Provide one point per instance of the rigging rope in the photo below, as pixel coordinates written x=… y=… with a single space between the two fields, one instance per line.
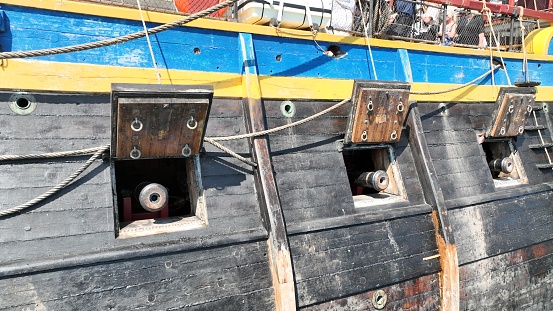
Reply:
x=489 y=15
x=59 y=186
x=149 y=43
x=279 y=128
x=112 y=41
x=51 y=154
x=367 y=40
x=457 y=87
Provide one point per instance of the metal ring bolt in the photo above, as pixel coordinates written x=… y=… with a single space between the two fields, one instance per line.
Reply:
x=393 y=136
x=364 y=136
x=192 y=123
x=521 y=129
x=136 y=125
x=502 y=131
x=529 y=109
x=186 y=151
x=511 y=109
x=400 y=107
x=370 y=105
x=135 y=153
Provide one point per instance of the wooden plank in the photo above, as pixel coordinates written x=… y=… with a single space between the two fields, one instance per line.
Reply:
x=419 y=294
x=198 y=278
x=449 y=277
x=518 y=280
x=355 y=259
x=271 y=211
x=306 y=144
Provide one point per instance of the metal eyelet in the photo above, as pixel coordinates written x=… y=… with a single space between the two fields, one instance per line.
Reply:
x=521 y=129
x=393 y=136
x=135 y=153
x=502 y=131
x=529 y=109
x=186 y=151
x=364 y=136
x=400 y=107
x=136 y=125
x=192 y=123
x=370 y=105
x=511 y=109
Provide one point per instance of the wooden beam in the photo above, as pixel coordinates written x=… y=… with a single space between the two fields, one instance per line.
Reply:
x=271 y=211
x=449 y=275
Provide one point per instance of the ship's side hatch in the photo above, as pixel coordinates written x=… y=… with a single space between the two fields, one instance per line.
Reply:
x=513 y=107
x=375 y=124
x=157 y=134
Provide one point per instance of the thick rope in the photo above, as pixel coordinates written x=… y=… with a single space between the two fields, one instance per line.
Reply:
x=213 y=140
x=51 y=155
x=125 y=38
x=458 y=87
x=232 y=153
x=279 y=128
x=489 y=15
x=149 y=43
x=58 y=187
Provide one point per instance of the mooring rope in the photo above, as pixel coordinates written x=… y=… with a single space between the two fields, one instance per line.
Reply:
x=112 y=41
x=458 y=87
x=58 y=187
x=214 y=140
x=280 y=128
x=51 y=154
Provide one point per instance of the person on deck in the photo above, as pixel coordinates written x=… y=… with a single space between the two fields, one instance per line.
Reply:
x=470 y=30
x=450 y=28
x=402 y=19
x=427 y=27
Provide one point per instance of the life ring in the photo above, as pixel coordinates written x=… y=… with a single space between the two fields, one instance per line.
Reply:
x=195 y=6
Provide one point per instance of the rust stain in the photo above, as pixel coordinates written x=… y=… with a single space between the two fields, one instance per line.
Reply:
x=449 y=275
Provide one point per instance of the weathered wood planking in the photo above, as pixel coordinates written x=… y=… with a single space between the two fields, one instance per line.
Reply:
x=502 y=226
x=217 y=278
x=79 y=220
x=337 y=263
x=518 y=280
x=309 y=167
x=420 y=294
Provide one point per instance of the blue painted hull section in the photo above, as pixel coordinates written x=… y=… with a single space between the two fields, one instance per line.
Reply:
x=217 y=52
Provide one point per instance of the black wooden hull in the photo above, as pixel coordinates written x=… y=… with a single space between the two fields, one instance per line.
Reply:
x=63 y=253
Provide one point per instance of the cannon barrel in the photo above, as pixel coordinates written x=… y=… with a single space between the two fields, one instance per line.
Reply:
x=504 y=165
x=378 y=180
x=152 y=197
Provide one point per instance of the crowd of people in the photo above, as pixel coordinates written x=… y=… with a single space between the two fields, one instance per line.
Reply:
x=414 y=20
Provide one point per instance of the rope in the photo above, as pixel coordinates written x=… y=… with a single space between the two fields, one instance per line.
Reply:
x=213 y=140
x=489 y=15
x=458 y=87
x=112 y=41
x=367 y=40
x=524 y=57
x=58 y=187
x=279 y=128
x=232 y=153
x=149 y=43
x=51 y=155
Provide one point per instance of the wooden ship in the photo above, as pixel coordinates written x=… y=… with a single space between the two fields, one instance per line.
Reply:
x=219 y=159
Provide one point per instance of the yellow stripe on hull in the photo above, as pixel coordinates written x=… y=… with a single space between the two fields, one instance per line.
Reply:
x=63 y=77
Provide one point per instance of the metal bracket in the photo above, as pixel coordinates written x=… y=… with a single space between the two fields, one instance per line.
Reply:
x=378 y=111
x=514 y=106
